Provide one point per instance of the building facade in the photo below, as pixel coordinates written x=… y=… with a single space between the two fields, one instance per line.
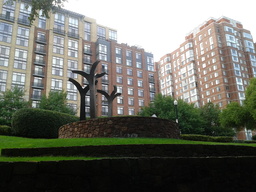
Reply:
x=40 y=58
x=213 y=64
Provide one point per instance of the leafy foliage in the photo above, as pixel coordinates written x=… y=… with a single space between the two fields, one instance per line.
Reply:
x=56 y=101
x=11 y=101
x=5 y=130
x=188 y=115
x=38 y=123
x=45 y=5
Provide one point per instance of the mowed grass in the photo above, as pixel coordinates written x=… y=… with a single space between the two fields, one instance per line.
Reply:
x=19 y=142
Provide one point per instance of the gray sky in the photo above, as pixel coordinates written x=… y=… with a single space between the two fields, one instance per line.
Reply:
x=160 y=26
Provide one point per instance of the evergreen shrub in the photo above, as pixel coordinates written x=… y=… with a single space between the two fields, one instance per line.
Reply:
x=39 y=123
x=5 y=130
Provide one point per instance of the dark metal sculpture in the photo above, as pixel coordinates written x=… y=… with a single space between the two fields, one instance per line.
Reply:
x=110 y=99
x=91 y=78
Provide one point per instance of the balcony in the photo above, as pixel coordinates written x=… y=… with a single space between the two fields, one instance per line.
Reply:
x=73 y=35
x=38 y=73
x=36 y=97
x=40 y=62
x=87 y=51
x=87 y=61
x=40 y=51
x=104 y=102
x=59 y=31
x=151 y=80
x=38 y=85
x=152 y=89
x=41 y=40
x=7 y=17
x=104 y=113
x=105 y=81
x=24 y=21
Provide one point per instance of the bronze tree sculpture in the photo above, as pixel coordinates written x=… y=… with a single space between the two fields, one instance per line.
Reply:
x=110 y=99
x=92 y=80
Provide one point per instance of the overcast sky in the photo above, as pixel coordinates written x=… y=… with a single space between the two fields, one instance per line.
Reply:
x=160 y=26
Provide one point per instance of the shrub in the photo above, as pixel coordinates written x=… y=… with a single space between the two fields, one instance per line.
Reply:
x=39 y=123
x=5 y=130
x=207 y=138
x=254 y=137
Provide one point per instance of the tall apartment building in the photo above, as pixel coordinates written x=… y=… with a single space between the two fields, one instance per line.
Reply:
x=41 y=57
x=214 y=64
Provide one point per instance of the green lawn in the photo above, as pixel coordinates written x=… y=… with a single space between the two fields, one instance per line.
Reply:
x=19 y=142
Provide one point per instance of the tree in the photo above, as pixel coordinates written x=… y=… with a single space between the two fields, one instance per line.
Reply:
x=211 y=121
x=45 y=5
x=11 y=101
x=250 y=96
x=56 y=101
x=163 y=107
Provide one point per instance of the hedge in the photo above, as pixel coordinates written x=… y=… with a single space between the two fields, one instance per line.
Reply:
x=39 y=123
x=206 y=138
x=5 y=130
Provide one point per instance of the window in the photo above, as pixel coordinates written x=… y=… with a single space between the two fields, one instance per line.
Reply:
x=57 y=40
x=59 y=18
x=5 y=32
x=113 y=35
x=128 y=62
x=87 y=31
x=138 y=65
x=129 y=81
x=118 y=69
x=56 y=84
x=128 y=53
x=71 y=96
x=130 y=101
x=130 y=91
x=3 y=76
x=20 y=54
x=118 y=51
x=119 y=60
x=138 y=56
x=139 y=74
x=120 y=100
x=141 y=102
x=119 y=79
x=129 y=72
x=141 y=93
x=4 y=51
x=119 y=89
x=131 y=111
x=140 y=83
x=101 y=32
x=120 y=110
x=18 y=78
x=20 y=64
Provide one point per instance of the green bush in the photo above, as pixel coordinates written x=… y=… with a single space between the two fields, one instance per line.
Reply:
x=206 y=138
x=5 y=130
x=254 y=137
x=39 y=123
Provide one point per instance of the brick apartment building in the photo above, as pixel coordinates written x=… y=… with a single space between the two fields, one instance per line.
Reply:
x=213 y=64
x=39 y=58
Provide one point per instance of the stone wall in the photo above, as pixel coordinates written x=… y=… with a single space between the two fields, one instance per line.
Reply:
x=121 y=127
x=131 y=174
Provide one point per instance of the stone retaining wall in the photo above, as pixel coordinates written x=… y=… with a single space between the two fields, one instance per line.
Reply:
x=121 y=127
x=131 y=174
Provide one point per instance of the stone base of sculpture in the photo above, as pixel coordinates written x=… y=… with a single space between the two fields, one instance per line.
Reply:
x=121 y=127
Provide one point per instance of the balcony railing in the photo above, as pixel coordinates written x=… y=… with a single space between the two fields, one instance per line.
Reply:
x=151 y=80
x=87 y=61
x=40 y=51
x=73 y=35
x=41 y=40
x=36 y=97
x=23 y=21
x=59 y=31
x=38 y=85
x=105 y=81
x=87 y=51
x=7 y=17
x=152 y=89
x=39 y=73
x=39 y=62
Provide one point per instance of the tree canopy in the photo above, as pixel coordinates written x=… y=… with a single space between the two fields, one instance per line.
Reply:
x=45 y=5
x=56 y=101
x=11 y=101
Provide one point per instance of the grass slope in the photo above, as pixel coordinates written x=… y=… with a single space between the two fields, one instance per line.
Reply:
x=19 y=142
